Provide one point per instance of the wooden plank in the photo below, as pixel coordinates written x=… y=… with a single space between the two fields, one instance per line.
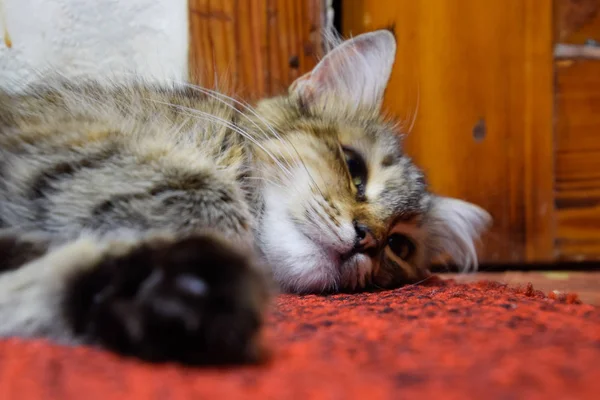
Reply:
x=578 y=160
x=483 y=74
x=539 y=152
x=577 y=21
x=252 y=48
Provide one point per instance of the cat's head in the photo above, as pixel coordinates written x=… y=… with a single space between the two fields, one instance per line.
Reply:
x=344 y=207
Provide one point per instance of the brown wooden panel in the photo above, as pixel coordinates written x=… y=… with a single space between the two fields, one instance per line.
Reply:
x=577 y=21
x=483 y=73
x=578 y=159
x=253 y=48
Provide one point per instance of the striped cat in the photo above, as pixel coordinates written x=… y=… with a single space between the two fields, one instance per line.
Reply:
x=151 y=220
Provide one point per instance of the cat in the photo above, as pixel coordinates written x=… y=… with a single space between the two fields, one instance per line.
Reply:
x=157 y=221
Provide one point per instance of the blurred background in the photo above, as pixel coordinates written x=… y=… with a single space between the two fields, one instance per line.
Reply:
x=500 y=99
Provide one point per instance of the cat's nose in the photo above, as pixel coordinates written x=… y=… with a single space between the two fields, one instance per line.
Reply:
x=365 y=240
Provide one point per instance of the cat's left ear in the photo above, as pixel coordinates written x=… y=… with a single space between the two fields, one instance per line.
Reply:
x=353 y=75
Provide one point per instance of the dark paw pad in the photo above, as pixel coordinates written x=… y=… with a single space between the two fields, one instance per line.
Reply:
x=195 y=301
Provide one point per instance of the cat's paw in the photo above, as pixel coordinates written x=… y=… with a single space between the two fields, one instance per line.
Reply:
x=196 y=301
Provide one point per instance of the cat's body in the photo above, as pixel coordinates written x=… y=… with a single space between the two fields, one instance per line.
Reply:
x=150 y=220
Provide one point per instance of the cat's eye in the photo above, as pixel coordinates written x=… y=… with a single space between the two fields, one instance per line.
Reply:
x=401 y=246
x=358 y=170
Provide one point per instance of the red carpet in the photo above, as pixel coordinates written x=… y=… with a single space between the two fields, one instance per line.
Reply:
x=441 y=340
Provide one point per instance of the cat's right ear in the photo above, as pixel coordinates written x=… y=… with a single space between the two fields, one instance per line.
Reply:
x=353 y=75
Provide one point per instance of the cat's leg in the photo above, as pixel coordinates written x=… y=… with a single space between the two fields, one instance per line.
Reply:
x=18 y=248
x=192 y=295
x=193 y=299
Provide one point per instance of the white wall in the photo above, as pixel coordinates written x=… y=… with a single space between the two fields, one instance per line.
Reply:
x=90 y=37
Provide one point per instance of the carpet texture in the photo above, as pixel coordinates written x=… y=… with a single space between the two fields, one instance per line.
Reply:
x=438 y=340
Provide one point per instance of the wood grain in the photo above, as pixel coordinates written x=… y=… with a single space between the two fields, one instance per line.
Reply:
x=578 y=159
x=483 y=72
x=253 y=48
x=577 y=20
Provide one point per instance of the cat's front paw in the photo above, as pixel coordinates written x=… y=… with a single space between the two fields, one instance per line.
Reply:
x=195 y=301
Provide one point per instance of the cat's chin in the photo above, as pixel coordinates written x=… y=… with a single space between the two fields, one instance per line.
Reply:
x=301 y=266
x=299 y=261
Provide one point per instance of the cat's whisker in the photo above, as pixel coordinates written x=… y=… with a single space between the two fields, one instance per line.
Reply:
x=287 y=144
x=198 y=113
x=195 y=113
x=322 y=217
x=215 y=95
x=270 y=181
x=415 y=113
x=220 y=97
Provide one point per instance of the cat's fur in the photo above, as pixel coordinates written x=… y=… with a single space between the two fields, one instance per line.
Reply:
x=150 y=220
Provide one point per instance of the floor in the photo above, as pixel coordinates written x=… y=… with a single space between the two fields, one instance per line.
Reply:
x=585 y=284
x=430 y=341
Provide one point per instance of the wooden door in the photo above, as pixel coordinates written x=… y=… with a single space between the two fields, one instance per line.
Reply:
x=480 y=75
x=253 y=48
x=578 y=129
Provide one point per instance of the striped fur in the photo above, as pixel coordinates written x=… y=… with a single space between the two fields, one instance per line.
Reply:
x=151 y=219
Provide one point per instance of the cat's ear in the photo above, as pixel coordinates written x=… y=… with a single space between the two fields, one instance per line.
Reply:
x=454 y=226
x=353 y=74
